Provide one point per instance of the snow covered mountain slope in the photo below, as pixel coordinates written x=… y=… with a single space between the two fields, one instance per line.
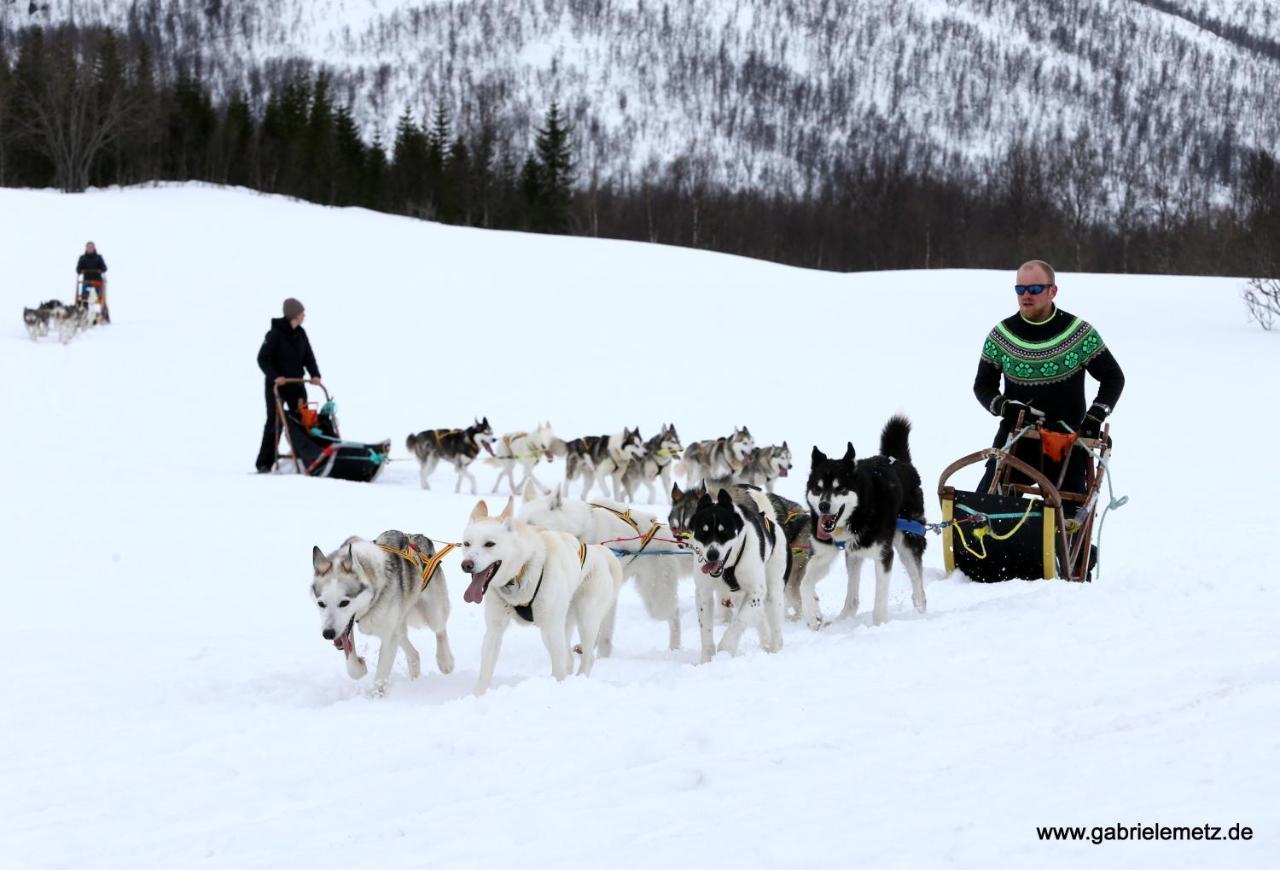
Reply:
x=170 y=702
x=763 y=94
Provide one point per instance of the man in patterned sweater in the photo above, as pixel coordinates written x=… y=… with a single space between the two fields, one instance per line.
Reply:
x=1043 y=353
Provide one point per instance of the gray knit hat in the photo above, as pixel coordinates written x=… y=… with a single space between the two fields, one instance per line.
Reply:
x=292 y=308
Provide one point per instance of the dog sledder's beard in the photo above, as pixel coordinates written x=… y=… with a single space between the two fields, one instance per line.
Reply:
x=480 y=581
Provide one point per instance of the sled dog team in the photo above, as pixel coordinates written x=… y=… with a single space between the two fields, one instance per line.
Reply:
x=559 y=564
x=620 y=463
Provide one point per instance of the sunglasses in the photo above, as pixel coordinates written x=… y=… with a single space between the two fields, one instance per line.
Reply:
x=1033 y=289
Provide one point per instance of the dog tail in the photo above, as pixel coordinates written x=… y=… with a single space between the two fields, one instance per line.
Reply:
x=411 y=442
x=893 y=439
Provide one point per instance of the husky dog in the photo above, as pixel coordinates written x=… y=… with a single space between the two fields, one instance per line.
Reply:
x=36 y=320
x=537 y=577
x=458 y=446
x=791 y=516
x=745 y=555
x=525 y=449
x=363 y=584
x=717 y=458
x=660 y=453
x=606 y=455
x=857 y=504
x=764 y=465
x=657 y=571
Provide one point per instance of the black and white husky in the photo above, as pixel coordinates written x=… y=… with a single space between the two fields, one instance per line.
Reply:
x=606 y=456
x=720 y=457
x=660 y=453
x=743 y=555
x=792 y=516
x=364 y=584
x=855 y=504
x=457 y=446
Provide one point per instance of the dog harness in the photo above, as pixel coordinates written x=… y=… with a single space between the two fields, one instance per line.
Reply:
x=525 y=611
x=645 y=537
x=413 y=555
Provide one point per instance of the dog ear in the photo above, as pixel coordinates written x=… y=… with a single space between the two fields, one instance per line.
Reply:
x=724 y=499
x=848 y=453
x=557 y=499
x=509 y=510
x=704 y=502
x=675 y=493
x=319 y=561
x=348 y=560
x=530 y=491
x=784 y=446
x=479 y=512
x=818 y=455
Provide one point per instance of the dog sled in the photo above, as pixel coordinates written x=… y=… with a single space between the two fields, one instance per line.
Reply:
x=316 y=446
x=1025 y=525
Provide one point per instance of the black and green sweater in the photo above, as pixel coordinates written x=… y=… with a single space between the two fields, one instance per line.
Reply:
x=1044 y=364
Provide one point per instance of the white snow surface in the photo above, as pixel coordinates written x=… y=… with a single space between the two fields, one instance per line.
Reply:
x=172 y=704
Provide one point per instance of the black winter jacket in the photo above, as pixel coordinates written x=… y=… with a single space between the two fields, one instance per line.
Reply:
x=91 y=266
x=286 y=351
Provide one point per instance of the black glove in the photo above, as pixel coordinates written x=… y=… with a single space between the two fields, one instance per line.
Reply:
x=1091 y=424
x=1010 y=409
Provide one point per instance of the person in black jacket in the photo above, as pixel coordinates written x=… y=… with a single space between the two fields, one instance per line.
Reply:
x=92 y=268
x=1043 y=352
x=285 y=353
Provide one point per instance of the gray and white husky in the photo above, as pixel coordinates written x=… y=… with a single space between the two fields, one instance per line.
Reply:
x=742 y=555
x=608 y=456
x=660 y=453
x=459 y=447
x=362 y=584
x=542 y=578
x=765 y=465
x=657 y=571
x=720 y=457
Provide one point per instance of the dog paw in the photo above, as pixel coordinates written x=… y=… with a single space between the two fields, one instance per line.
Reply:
x=445 y=663
x=921 y=605
x=816 y=623
x=379 y=689
x=707 y=655
x=356 y=668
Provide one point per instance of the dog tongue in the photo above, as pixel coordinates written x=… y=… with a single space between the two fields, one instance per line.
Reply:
x=475 y=592
x=708 y=567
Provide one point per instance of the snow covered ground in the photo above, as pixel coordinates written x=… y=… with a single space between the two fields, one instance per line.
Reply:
x=170 y=702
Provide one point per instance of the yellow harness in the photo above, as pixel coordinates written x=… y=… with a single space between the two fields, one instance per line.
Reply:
x=413 y=556
x=625 y=516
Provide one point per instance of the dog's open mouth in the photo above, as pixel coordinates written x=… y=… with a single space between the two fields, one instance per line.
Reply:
x=782 y=472
x=826 y=525
x=480 y=583
x=715 y=569
x=344 y=641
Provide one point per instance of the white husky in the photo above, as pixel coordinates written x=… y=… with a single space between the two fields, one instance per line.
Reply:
x=538 y=577
x=657 y=571
x=378 y=587
x=525 y=449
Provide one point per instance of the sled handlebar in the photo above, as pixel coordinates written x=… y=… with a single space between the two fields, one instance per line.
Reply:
x=275 y=388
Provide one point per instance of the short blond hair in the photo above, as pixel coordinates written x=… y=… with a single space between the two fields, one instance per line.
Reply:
x=1045 y=267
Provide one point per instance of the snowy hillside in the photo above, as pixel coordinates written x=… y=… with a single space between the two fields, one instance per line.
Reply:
x=761 y=94
x=170 y=702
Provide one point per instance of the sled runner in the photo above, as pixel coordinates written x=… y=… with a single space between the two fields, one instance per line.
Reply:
x=317 y=448
x=1025 y=526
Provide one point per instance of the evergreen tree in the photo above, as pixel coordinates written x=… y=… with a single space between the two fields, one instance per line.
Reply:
x=555 y=174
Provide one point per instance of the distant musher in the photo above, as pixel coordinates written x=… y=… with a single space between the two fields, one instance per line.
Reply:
x=92 y=271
